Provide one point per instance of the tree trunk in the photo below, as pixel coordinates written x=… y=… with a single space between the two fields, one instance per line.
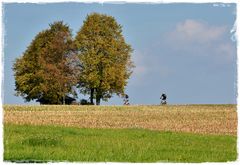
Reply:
x=98 y=100
x=91 y=96
x=98 y=97
x=64 y=100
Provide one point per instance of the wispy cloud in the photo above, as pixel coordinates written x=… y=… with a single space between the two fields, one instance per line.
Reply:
x=226 y=51
x=147 y=64
x=140 y=66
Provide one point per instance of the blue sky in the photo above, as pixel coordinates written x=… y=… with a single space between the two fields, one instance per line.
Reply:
x=184 y=50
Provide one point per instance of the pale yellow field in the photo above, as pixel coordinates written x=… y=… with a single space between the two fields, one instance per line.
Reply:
x=204 y=119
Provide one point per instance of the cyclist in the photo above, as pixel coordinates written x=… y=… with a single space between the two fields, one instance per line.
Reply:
x=163 y=99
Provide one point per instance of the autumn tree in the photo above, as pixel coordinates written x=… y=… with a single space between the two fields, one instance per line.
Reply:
x=48 y=68
x=105 y=57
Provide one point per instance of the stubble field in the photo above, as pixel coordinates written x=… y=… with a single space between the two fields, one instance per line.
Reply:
x=121 y=130
x=205 y=119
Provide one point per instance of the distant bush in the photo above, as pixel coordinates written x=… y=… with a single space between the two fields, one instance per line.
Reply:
x=74 y=103
x=84 y=102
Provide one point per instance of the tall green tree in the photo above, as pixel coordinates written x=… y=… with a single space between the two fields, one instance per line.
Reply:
x=105 y=57
x=48 y=68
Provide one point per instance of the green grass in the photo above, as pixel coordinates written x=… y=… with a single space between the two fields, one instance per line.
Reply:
x=50 y=143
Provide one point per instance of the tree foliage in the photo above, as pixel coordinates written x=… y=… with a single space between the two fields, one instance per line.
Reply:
x=48 y=68
x=105 y=57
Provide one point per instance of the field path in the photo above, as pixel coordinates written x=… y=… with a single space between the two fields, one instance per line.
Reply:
x=204 y=119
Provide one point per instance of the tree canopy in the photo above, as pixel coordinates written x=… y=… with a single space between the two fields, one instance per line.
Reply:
x=105 y=57
x=97 y=61
x=48 y=68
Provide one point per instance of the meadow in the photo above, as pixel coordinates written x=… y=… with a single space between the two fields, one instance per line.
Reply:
x=172 y=133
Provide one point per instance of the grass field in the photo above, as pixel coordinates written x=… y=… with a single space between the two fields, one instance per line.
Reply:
x=190 y=133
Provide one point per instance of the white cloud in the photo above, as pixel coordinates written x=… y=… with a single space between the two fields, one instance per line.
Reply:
x=196 y=31
x=193 y=37
x=190 y=38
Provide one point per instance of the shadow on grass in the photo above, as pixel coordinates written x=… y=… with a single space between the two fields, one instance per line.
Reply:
x=27 y=161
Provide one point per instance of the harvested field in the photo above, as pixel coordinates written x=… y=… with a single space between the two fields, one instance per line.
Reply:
x=203 y=119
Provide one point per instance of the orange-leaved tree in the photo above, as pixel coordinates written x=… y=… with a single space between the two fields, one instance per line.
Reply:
x=48 y=69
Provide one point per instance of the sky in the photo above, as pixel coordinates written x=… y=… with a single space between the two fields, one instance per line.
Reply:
x=184 y=50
